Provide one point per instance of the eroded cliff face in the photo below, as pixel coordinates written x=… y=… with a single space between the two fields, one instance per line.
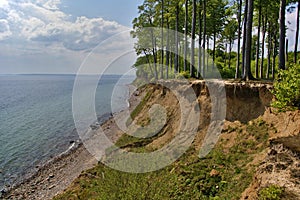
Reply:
x=245 y=103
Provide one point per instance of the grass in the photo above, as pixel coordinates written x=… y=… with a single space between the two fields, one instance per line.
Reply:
x=188 y=178
x=272 y=192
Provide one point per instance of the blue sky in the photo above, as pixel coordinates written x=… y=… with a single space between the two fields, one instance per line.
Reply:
x=121 y=11
x=57 y=36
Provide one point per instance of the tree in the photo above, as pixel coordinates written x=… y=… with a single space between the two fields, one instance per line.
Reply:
x=192 y=65
x=239 y=16
x=247 y=68
x=146 y=19
x=229 y=34
x=264 y=29
x=282 y=35
x=186 y=33
x=200 y=40
x=176 y=64
x=204 y=37
x=244 y=35
x=297 y=33
x=162 y=40
x=258 y=38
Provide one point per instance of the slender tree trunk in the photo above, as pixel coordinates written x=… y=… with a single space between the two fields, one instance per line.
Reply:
x=204 y=38
x=286 y=50
x=269 y=54
x=225 y=54
x=274 y=56
x=247 y=70
x=230 y=49
x=207 y=56
x=239 y=41
x=162 y=40
x=176 y=64
x=185 y=34
x=244 y=36
x=282 y=35
x=153 y=39
x=214 y=49
x=297 y=34
x=149 y=63
x=263 y=47
x=200 y=41
x=168 y=51
x=258 y=40
x=192 y=65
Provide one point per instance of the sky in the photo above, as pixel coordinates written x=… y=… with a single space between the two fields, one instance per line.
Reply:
x=60 y=36
x=63 y=36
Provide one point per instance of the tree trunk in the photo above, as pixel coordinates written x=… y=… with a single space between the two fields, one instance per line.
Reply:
x=185 y=34
x=200 y=41
x=239 y=41
x=286 y=50
x=176 y=64
x=269 y=54
x=225 y=54
x=149 y=63
x=274 y=56
x=192 y=65
x=282 y=35
x=297 y=34
x=244 y=35
x=207 y=56
x=162 y=40
x=263 y=47
x=247 y=69
x=214 y=49
x=204 y=38
x=168 y=51
x=258 y=41
x=230 y=49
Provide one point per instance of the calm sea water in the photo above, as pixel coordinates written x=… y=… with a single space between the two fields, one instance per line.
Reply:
x=36 y=120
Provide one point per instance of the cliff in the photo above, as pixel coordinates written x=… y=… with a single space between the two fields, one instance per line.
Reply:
x=254 y=149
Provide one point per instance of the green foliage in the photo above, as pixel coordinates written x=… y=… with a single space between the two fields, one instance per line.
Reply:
x=272 y=192
x=183 y=75
x=141 y=105
x=287 y=89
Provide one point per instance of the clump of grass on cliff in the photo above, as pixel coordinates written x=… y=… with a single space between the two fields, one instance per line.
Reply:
x=223 y=174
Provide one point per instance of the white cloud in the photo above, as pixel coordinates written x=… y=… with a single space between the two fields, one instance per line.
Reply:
x=4 y=29
x=3 y=3
x=42 y=22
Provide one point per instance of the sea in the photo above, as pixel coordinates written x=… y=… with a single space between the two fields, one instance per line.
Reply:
x=36 y=119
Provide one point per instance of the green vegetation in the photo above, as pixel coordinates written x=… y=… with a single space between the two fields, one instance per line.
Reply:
x=214 y=177
x=139 y=107
x=217 y=26
x=287 y=89
x=272 y=192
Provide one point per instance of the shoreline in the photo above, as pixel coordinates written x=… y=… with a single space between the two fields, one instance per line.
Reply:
x=56 y=174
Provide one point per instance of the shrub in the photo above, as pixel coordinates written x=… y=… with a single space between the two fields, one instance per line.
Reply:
x=272 y=192
x=287 y=89
x=183 y=75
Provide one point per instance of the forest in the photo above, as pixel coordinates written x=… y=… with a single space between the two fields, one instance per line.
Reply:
x=242 y=39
